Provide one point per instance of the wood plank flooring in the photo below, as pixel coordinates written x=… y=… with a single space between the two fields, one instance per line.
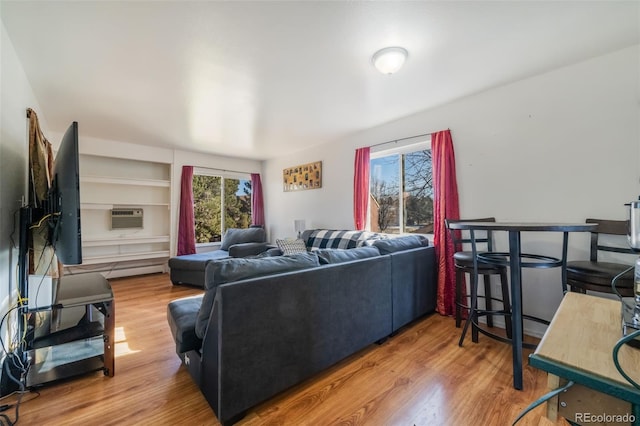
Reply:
x=418 y=377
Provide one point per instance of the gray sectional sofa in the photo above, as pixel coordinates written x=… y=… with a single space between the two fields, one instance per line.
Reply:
x=267 y=323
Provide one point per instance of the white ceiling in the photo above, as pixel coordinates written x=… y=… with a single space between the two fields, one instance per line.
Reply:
x=258 y=79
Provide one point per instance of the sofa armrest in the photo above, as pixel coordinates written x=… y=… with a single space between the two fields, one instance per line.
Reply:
x=247 y=249
x=181 y=314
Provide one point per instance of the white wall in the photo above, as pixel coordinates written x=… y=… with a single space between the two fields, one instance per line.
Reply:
x=561 y=146
x=16 y=96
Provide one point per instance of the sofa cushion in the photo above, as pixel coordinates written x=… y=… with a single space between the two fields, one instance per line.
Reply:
x=182 y=314
x=247 y=249
x=237 y=236
x=328 y=256
x=230 y=270
x=328 y=238
x=291 y=246
x=392 y=245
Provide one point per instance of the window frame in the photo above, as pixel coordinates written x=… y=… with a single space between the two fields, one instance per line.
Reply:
x=222 y=174
x=399 y=148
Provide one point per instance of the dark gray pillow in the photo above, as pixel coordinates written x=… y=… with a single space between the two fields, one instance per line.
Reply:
x=406 y=242
x=328 y=256
x=237 y=269
x=238 y=236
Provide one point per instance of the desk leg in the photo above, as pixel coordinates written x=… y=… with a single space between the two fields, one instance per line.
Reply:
x=109 y=338
x=553 y=382
x=516 y=306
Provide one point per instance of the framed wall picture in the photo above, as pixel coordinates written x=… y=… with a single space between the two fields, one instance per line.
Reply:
x=305 y=176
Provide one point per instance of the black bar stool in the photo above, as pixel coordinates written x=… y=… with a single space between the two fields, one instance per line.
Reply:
x=464 y=264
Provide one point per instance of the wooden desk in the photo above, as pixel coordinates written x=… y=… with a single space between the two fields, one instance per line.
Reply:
x=578 y=346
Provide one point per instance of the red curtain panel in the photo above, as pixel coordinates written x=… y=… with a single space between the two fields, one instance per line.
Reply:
x=361 y=188
x=186 y=224
x=446 y=206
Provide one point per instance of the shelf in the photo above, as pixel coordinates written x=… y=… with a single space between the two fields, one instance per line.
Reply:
x=103 y=206
x=113 y=180
x=66 y=361
x=93 y=260
x=100 y=242
x=108 y=183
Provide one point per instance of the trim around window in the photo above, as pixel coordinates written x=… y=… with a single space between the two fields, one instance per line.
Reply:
x=395 y=206
x=203 y=171
x=403 y=147
x=238 y=219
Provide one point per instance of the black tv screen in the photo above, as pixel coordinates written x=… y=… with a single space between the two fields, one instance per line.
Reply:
x=65 y=198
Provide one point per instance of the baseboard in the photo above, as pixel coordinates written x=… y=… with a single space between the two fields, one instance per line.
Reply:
x=118 y=273
x=534 y=330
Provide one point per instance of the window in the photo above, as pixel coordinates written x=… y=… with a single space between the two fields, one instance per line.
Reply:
x=401 y=190
x=220 y=202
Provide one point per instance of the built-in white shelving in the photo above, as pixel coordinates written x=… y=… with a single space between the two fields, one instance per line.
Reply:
x=111 y=180
x=103 y=206
x=108 y=183
x=99 y=242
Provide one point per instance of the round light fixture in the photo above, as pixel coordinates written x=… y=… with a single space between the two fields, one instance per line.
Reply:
x=390 y=59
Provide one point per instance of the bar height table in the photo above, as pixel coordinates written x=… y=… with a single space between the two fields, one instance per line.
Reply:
x=515 y=263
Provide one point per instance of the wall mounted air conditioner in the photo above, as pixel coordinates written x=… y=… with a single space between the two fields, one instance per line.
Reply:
x=126 y=218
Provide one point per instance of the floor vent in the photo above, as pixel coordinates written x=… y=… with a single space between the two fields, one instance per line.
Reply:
x=126 y=218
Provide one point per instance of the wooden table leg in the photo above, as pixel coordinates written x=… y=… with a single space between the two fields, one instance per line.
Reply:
x=553 y=382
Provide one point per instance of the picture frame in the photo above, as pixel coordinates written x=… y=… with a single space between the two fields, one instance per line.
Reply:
x=302 y=177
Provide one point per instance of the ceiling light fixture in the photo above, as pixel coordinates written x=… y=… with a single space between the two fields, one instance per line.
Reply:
x=390 y=59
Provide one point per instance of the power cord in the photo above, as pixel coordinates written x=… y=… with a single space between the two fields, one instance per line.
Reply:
x=616 y=278
x=11 y=357
x=616 y=362
x=542 y=400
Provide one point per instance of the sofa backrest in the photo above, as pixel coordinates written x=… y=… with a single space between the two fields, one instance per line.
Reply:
x=236 y=269
x=331 y=256
x=406 y=242
x=336 y=239
x=238 y=236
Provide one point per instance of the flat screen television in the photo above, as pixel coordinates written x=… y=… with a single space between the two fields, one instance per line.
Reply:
x=64 y=198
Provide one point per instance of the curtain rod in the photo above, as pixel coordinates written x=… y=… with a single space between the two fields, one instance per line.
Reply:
x=223 y=170
x=403 y=139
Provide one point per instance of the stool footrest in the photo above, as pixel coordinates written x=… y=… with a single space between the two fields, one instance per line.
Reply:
x=503 y=259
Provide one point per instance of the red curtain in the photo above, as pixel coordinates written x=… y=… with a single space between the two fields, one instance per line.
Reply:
x=257 y=203
x=186 y=224
x=445 y=206
x=361 y=188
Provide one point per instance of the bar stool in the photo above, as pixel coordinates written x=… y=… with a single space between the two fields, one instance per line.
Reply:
x=464 y=264
x=595 y=274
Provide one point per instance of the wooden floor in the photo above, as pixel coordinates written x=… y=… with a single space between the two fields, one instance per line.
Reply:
x=418 y=377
